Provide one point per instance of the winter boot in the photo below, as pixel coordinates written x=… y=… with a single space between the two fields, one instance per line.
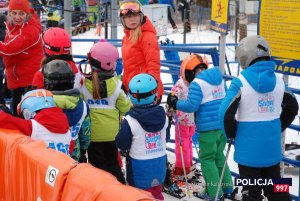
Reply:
x=227 y=195
x=187 y=25
x=175 y=29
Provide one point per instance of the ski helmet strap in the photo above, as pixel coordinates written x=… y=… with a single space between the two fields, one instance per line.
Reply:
x=56 y=49
x=139 y=96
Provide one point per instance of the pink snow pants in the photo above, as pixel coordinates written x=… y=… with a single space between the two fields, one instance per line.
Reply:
x=186 y=133
x=156 y=191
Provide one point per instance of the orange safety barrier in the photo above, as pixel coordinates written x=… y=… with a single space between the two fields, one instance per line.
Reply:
x=9 y=139
x=41 y=173
x=29 y=170
x=88 y=183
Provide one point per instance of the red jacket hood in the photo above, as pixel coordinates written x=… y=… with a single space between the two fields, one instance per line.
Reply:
x=54 y=119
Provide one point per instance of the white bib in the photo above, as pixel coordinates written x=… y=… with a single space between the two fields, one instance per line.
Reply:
x=210 y=92
x=146 y=145
x=104 y=103
x=59 y=142
x=255 y=106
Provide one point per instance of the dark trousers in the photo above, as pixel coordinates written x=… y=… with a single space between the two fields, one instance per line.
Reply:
x=104 y=155
x=16 y=95
x=52 y=23
x=254 y=193
x=185 y=14
x=170 y=18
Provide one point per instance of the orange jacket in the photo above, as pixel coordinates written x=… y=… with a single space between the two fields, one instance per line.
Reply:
x=142 y=57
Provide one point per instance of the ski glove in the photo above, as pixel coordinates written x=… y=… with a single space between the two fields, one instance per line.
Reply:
x=171 y=101
x=4 y=109
x=124 y=153
x=82 y=158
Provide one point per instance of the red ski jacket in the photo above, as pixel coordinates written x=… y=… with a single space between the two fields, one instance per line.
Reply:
x=22 y=51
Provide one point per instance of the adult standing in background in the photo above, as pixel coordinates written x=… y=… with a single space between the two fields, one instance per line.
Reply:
x=140 y=49
x=170 y=4
x=185 y=8
x=22 y=49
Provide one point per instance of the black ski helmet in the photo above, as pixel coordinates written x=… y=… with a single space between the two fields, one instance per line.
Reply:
x=58 y=75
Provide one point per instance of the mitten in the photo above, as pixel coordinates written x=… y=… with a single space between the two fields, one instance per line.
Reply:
x=171 y=101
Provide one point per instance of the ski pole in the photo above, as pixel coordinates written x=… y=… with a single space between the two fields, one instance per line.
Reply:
x=181 y=152
x=223 y=170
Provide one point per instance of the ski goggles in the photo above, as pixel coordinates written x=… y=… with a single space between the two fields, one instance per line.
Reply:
x=87 y=66
x=143 y=95
x=130 y=8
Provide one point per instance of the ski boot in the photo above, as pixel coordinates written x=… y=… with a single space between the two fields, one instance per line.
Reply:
x=231 y=196
x=174 y=190
x=204 y=196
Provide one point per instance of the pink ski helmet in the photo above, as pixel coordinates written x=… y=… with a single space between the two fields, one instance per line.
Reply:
x=103 y=56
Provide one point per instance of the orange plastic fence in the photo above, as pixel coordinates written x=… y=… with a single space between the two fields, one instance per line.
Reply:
x=88 y=183
x=31 y=171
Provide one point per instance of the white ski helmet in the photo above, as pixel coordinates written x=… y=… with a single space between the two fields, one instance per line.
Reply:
x=250 y=49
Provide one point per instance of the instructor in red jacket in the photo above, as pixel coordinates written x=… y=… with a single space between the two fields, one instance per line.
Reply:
x=22 y=49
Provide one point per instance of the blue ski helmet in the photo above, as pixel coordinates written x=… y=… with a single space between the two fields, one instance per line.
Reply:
x=143 y=89
x=34 y=101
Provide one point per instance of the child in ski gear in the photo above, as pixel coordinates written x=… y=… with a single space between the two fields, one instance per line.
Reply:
x=107 y=101
x=143 y=133
x=186 y=125
x=57 y=45
x=259 y=101
x=206 y=91
x=42 y=120
x=22 y=49
x=140 y=49
x=59 y=79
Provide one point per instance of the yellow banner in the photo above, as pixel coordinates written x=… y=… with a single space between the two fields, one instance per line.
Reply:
x=279 y=24
x=219 y=12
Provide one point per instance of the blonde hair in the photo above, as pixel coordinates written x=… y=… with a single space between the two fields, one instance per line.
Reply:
x=135 y=34
x=96 y=85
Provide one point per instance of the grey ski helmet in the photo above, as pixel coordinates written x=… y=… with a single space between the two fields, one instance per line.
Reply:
x=58 y=75
x=251 y=48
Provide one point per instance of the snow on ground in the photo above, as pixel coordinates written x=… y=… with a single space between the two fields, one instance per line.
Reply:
x=203 y=36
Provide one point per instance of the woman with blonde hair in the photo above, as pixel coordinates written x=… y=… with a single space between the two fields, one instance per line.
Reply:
x=140 y=49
